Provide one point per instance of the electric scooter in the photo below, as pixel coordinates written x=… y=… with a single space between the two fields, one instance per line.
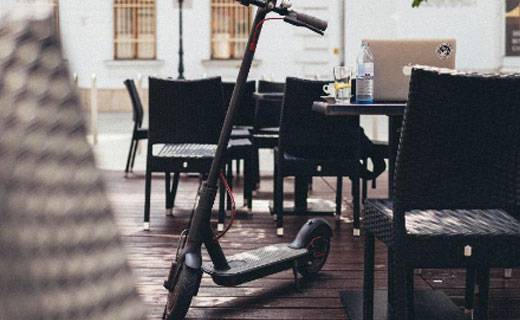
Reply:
x=306 y=255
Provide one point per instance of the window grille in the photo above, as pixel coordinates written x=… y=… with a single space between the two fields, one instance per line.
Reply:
x=230 y=25
x=134 y=29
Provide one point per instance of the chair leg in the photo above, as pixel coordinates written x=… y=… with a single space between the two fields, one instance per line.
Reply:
x=136 y=146
x=364 y=184
x=483 y=296
x=221 y=207
x=167 y=187
x=399 y=294
x=368 y=278
x=174 y=187
x=129 y=158
x=356 y=205
x=339 y=197
x=390 y=282
x=278 y=202
x=410 y=293
x=256 y=169
x=147 y=193
x=469 y=294
x=301 y=189
x=237 y=167
x=248 y=182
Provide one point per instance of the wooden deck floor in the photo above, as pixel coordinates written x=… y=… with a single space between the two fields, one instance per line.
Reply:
x=273 y=297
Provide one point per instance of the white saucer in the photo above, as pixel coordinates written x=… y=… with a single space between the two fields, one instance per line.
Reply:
x=329 y=99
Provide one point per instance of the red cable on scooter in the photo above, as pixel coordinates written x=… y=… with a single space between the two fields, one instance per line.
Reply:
x=229 y=192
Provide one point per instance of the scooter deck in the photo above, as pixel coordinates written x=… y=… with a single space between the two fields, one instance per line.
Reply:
x=250 y=265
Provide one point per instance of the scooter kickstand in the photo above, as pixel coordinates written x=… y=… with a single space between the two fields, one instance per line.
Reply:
x=296 y=279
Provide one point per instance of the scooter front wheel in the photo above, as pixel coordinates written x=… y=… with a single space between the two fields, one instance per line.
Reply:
x=319 y=248
x=179 y=298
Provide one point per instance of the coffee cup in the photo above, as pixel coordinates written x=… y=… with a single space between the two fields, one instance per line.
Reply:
x=330 y=89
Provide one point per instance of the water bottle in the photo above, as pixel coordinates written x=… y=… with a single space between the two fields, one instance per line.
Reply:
x=365 y=75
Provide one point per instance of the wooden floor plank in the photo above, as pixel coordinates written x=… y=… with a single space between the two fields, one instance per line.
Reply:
x=274 y=297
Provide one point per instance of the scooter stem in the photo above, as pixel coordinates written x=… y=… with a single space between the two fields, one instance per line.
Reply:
x=200 y=230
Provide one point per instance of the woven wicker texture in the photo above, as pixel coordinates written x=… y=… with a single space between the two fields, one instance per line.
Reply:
x=460 y=142
x=457 y=166
x=441 y=223
x=61 y=255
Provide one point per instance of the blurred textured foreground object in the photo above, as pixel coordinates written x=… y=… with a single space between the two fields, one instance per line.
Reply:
x=60 y=254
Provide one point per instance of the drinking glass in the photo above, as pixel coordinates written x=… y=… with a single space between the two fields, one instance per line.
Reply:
x=342 y=77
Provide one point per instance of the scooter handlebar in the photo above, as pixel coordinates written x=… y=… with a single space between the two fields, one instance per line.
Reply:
x=304 y=20
x=292 y=17
x=311 y=21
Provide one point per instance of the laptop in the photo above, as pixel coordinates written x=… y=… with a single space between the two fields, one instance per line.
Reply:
x=394 y=58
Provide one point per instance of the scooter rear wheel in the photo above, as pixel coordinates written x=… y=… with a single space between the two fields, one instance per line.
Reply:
x=179 y=299
x=319 y=248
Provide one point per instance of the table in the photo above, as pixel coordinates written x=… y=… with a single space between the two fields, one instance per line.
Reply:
x=394 y=111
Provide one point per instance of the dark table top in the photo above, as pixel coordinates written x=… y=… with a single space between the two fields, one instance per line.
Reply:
x=356 y=109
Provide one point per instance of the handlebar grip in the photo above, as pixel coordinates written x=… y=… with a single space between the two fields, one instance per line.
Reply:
x=312 y=21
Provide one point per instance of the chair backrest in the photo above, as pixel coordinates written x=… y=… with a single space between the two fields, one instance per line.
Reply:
x=61 y=256
x=270 y=86
x=246 y=111
x=185 y=111
x=460 y=142
x=267 y=111
x=137 y=107
x=308 y=133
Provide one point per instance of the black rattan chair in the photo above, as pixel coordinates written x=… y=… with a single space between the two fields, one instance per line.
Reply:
x=139 y=133
x=242 y=147
x=185 y=119
x=246 y=116
x=266 y=120
x=267 y=115
x=312 y=145
x=62 y=256
x=456 y=182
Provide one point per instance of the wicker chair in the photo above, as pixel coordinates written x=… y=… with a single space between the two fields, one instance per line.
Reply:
x=62 y=257
x=311 y=145
x=139 y=133
x=457 y=174
x=267 y=121
x=242 y=134
x=185 y=118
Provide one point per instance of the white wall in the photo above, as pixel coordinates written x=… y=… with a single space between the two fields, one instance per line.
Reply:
x=476 y=24
x=87 y=31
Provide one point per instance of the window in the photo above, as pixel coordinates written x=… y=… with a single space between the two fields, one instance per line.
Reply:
x=134 y=29
x=230 y=24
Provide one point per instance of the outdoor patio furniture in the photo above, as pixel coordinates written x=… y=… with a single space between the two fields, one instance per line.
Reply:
x=246 y=116
x=241 y=134
x=185 y=118
x=268 y=105
x=62 y=256
x=312 y=145
x=267 y=114
x=455 y=186
x=139 y=133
